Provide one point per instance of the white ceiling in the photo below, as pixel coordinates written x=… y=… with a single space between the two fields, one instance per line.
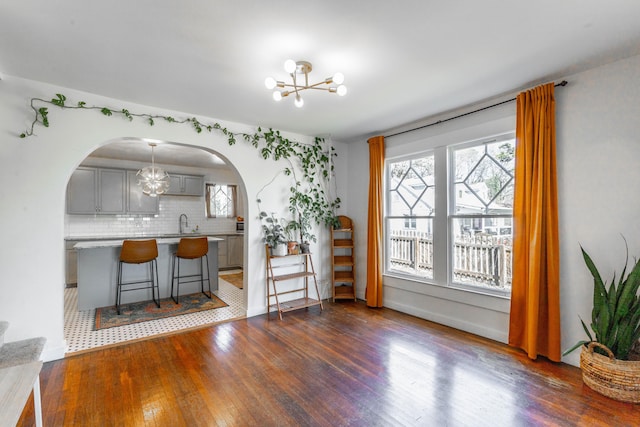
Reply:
x=403 y=60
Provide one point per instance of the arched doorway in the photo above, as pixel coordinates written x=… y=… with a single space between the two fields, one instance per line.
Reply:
x=175 y=214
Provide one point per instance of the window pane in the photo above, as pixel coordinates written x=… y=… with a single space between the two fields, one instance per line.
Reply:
x=411 y=187
x=411 y=248
x=221 y=201
x=483 y=179
x=482 y=258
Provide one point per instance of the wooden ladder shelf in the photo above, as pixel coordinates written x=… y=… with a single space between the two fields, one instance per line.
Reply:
x=343 y=263
x=299 y=266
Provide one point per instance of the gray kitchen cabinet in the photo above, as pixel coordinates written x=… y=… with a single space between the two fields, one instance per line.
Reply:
x=137 y=201
x=185 y=185
x=82 y=194
x=96 y=191
x=234 y=251
x=222 y=252
x=111 y=191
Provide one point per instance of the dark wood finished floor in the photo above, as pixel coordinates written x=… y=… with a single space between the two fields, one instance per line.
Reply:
x=346 y=366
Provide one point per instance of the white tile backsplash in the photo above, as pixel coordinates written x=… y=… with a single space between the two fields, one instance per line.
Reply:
x=166 y=222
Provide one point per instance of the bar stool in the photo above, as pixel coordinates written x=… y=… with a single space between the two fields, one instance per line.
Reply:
x=138 y=252
x=191 y=248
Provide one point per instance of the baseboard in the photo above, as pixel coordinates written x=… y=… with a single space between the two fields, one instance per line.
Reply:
x=452 y=322
x=54 y=353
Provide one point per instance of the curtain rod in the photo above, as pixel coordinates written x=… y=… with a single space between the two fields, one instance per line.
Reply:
x=562 y=83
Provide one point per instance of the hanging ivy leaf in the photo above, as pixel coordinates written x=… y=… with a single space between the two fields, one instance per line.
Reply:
x=59 y=100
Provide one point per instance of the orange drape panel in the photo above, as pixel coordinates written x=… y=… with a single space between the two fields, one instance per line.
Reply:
x=534 y=324
x=373 y=294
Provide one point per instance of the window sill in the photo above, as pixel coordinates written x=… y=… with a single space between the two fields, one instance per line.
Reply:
x=455 y=293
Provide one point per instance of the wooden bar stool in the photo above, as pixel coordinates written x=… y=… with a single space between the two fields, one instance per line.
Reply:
x=191 y=248
x=138 y=252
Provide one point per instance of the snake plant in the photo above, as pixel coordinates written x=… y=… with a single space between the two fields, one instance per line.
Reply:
x=615 y=317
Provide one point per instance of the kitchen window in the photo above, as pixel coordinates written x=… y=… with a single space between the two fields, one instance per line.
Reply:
x=221 y=200
x=472 y=185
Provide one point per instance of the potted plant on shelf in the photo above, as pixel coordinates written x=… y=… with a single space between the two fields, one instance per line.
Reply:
x=274 y=234
x=609 y=361
x=303 y=227
x=293 y=245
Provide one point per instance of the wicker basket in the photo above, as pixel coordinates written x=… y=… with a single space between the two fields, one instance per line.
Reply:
x=617 y=379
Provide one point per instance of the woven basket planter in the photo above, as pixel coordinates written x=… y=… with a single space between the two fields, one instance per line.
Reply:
x=617 y=379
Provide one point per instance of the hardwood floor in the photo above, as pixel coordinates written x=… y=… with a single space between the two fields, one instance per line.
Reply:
x=345 y=366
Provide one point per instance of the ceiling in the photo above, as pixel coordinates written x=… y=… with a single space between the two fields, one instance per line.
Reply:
x=403 y=61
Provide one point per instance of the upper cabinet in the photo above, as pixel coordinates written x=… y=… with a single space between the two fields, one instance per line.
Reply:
x=96 y=191
x=82 y=192
x=107 y=191
x=185 y=185
x=111 y=191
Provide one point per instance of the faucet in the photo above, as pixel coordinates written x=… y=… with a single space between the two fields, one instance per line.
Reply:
x=186 y=223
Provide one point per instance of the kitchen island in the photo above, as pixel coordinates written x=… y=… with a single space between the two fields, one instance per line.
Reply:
x=98 y=266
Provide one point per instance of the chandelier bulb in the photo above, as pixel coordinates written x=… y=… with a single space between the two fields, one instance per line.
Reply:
x=338 y=78
x=341 y=90
x=277 y=96
x=299 y=102
x=270 y=83
x=290 y=66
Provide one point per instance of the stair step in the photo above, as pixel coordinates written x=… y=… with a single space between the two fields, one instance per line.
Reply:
x=20 y=352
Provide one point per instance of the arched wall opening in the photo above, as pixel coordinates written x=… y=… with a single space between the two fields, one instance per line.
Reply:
x=132 y=154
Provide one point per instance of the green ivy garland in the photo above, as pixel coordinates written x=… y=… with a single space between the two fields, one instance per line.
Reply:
x=309 y=201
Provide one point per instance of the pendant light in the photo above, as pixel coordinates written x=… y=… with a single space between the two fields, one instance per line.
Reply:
x=154 y=181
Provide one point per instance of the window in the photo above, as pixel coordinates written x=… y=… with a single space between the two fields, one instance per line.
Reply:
x=220 y=201
x=410 y=210
x=467 y=190
x=483 y=183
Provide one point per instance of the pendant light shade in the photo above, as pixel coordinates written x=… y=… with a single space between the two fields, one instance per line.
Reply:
x=154 y=180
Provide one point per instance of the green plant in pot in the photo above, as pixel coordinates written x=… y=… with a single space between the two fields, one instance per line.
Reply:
x=302 y=227
x=615 y=316
x=274 y=234
x=609 y=361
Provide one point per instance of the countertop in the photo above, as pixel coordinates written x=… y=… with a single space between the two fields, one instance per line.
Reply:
x=148 y=236
x=92 y=244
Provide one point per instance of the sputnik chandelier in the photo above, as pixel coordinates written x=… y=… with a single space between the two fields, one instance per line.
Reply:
x=153 y=180
x=295 y=68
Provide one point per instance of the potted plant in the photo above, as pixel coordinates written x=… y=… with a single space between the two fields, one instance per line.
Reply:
x=303 y=227
x=293 y=245
x=608 y=360
x=274 y=234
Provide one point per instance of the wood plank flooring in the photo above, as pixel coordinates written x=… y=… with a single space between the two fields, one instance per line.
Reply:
x=345 y=366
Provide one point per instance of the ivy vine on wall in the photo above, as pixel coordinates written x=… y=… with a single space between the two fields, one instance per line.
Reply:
x=308 y=197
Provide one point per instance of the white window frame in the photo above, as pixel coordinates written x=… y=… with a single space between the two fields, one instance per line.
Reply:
x=443 y=218
x=388 y=217
x=208 y=201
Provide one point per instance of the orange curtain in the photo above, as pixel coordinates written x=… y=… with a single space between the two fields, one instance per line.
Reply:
x=534 y=324
x=373 y=293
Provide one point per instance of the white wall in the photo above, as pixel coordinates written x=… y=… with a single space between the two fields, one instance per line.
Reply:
x=35 y=171
x=598 y=149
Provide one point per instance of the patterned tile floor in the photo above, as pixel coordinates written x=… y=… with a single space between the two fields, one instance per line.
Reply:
x=80 y=336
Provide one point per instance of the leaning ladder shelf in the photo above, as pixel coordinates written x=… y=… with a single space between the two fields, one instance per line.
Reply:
x=343 y=277
x=303 y=264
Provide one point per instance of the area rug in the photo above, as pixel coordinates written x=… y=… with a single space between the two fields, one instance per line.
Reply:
x=107 y=317
x=236 y=279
